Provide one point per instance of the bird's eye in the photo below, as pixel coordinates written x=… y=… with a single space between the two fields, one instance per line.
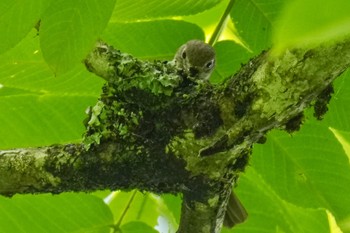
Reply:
x=210 y=64
x=184 y=55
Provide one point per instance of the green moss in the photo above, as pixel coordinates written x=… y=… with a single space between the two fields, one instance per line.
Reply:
x=131 y=96
x=187 y=147
x=148 y=108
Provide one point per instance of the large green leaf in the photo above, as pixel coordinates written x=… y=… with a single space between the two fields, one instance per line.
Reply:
x=132 y=10
x=137 y=227
x=37 y=108
x=37 y=120
x=208 y=19
x=69 y=30
x=17 y=18
x=307 y=169
x=304 y=23
x=151 y=40
x=339 y=108
x=229 y=58
x=172 y=209
x=254 y=20
x=268 y=212
x=62 y=213
x=343 y=138
x=130 y=206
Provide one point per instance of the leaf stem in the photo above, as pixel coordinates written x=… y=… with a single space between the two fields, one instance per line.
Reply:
x=218 y=29
x=126 y=209
x=143 y=204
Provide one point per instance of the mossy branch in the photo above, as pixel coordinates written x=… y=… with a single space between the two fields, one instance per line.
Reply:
x=155 y=130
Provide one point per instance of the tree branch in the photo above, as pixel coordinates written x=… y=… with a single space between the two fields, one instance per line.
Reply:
x=155 y=130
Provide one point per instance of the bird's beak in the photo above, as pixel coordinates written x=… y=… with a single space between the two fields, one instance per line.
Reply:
x=193 y=71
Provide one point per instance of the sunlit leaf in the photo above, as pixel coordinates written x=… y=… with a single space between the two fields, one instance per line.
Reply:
x=60 y=213
x=306 y=169
x=69 y=30
x=152 y=40
x=268 y=212
x=171 y=209
x=339 y=107
x=344 y=139
x=37 y=108
x=305 y=23
x=136 y=227
x=254 y=20
x=229 y=58
x=132 y=10
x=138 y=207
x=17 y=18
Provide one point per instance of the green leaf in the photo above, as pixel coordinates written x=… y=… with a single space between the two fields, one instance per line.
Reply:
x=343 y=138
x=39 y=120
x=69 y=30
x=305 y=23
x=132 y=10
x=305 y=166
x=17 y=18
x=229 y=58
x=268 y=212
x=309 y=170
x=339 y=107
x=209 y=19
x=141 y=205
x=151 y=40
x=60 y=213
x=137 y=227
x=36 y=108
x=254 y=21
x=170 y=209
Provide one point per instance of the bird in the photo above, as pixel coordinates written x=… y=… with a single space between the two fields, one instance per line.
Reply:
x=196 y=60
x=235 y=212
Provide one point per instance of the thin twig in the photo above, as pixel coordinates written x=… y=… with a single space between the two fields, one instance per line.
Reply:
x=217 y=32
x=126 y=209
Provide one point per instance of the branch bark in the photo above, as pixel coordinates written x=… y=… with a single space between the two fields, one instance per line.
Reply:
x=155 y=130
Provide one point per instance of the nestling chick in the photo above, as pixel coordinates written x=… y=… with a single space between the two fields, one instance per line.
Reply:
x=196 y=59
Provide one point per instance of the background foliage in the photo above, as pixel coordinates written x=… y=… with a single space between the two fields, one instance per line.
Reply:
x=295 y=183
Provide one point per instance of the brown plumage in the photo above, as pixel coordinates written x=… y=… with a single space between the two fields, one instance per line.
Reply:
x=196 y=59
